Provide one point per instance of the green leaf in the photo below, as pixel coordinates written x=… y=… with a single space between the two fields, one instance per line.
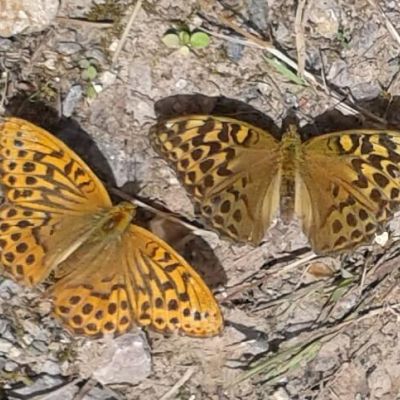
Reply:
x=184 y=50
x=89 y=73
x=84 y=63
x=199 y=40
x=341 y=289
x=184 y=38
x=284 y=70
x=171 y=40
x=275 y=367
x=91 y=91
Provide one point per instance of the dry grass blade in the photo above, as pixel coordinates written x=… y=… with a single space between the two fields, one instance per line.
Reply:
x=392 y=30
x=84 y=22
x=299 y=31
x=168 y=215
x=317 y=83
x=287 y=360
x=282 y=363
x=126 y=31
x=186 y=376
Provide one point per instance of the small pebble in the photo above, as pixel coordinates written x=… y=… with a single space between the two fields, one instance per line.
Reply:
x=68 y=48
x=50 y=368
x=5 y=346
x=71 y=100
x=10 y=366
x=40 y=346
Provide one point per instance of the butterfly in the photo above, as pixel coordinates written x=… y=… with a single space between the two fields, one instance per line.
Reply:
x=57 y=221
x=341 y=186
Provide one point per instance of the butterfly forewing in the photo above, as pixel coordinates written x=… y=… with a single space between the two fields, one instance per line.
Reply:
x=349 y=186
x=230 y=168
x=42 y=181
x=40 y=172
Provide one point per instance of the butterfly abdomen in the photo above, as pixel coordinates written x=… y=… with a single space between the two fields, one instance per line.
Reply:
x=291 y=156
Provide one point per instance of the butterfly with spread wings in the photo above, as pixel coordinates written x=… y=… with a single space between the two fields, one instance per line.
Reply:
x=57 y=219
x=341 y=186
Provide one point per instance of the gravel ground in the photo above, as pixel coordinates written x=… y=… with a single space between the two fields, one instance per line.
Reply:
x=328 y=326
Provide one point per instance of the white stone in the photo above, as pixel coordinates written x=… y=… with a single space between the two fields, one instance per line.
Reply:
x=125 y=359
x=379 y=383
x=280 y=394
x=382 y=238
x=50 y=368
x=107 y=78
x=26 y=16
x=325 y=15
x=71 y=100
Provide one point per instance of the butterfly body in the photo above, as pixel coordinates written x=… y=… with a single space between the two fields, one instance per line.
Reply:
x=117 y=220
x=291 y=158
x=105 y=273
x=340 y=186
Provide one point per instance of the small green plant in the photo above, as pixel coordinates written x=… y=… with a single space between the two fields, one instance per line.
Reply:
x=186 y=40
x=46 y=92
x=88 y=74
x=343 y=37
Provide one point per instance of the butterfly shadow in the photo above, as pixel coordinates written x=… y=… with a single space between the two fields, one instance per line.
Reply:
x=184 y=104
x=385 y=112
x=190 y=245
x=67 y=130
x=377 y=113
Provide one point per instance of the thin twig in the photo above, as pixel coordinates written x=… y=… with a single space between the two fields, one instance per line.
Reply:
x=126 y=31
x=238 y=289
x=186 y=376
x=300 y=41
x=4 y=94
x=168 y=215
x=85 y=22
x=60 y=389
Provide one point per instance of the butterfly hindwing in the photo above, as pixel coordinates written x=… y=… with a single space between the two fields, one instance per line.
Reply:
x=230 y=168
x=350 y=185
x=138 y=280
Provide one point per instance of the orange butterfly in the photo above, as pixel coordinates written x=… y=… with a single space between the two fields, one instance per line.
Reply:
x=341 y=186
x=57 y=219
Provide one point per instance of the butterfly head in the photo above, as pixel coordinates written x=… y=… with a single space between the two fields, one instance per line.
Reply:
x=118 y=218
x=291 y=136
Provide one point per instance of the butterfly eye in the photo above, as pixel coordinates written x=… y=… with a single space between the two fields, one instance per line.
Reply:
x=109 y=225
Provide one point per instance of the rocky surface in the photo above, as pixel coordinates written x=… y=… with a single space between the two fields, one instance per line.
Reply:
x=26 y=16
